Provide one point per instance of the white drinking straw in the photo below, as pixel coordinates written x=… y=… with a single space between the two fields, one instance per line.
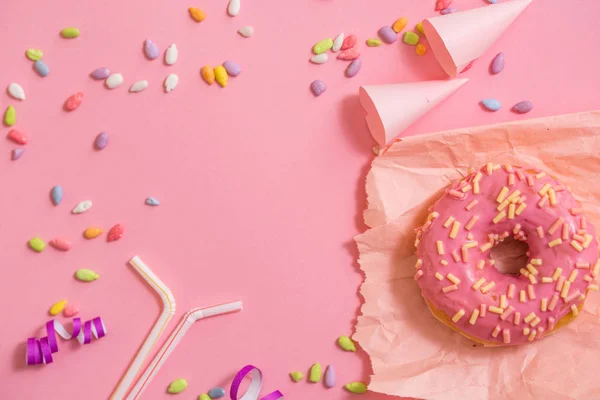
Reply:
x=186 y=322
x=157 y=330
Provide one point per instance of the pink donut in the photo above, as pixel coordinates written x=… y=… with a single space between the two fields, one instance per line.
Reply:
x=456 y=273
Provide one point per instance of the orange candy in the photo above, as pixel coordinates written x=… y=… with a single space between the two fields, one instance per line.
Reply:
x=421 y=49
x=92 y=232
x=400 y=24
x=208 y=74
x=197 y=14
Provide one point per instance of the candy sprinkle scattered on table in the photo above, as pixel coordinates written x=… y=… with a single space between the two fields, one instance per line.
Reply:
x=522 y=107
x=114 y=81
x=16 y=91
x=10 y=116
x=197 y=14
x=315 y=373
x=151 y=49
x=61 y=244
x=34 y=54
x=497 y=64
x=138 y=86
x=349 y=55
x=221 y=75
x=92 y=232
x=319 y=58
x=70 y=311
x=232 y=68
x=421 y=49
x=82 y=207
x=115 y=233
x=17 y=136
x=101 y=141
x=204 y=396
x=338 y=42
x=419 y=28
x=491 y=104
x=346 y=343
x=410 y=38
x=448 y=10
x=356 y=387
x=373 y=42
x=400 y=24
x=318 y=87
x=86 y=275
x=73 y=101
x=56 y=194
x=57 y=307
x=208 y=74
x=330 y=376
x=69 y=33
x=296 y=376
x=171 y=54
x=100 y=73
x=246 y=31
x=177 y=386
x=234 y=7
x=441 y=4
x=216 y=393
x=353 y=68
x=41 y=68
x=387 y=34
x=171 y=82
x=349 y=42
x=37 y=244
x=17 y=153
x=151 y=201
x=323 y=46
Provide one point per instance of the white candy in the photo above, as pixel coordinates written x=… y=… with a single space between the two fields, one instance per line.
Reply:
x=319 y=58
x=114 y=81
x=246 y=31
x=337 y=43
x=234 y=7
x=171 y=55
x=139 y=86
x=82 y=207
x=171 y=82
x=16 y=91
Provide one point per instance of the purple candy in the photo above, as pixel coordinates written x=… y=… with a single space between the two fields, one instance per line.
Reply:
x=232 y=68
x=497 y=64
x=318 y=87
x=522 y=107
x=387 y=34
x=353 y=68
x=330 y=376
x=448 y=10
x=17 y=153
x=101 y=141
x=100 y=73
x=151 y=49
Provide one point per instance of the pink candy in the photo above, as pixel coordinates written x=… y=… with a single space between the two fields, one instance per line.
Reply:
x=442 y=4
x=349 y=42
x=348 y=55
x=70 y=311
x=17 y=136
x=74 y=101
x=61 y=244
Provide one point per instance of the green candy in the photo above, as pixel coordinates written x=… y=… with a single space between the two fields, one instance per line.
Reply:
x=69 y=33
x=177 y=386
x=346 y=343
x=37 y=244
x=323 y=46
x=410 y=38
x=204 y=396
x=34 y=54
x=296 y=376
x=10 y=116
x=373 y=42
x=86 y=275
x=315 y=373
x=356 y=387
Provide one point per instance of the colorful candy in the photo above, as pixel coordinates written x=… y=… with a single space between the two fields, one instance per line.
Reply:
x=56 y=193
x=522 y=107
x=338 y=42
x=17 y=153
x=92 y=232
x=373 y=42
x=330 y=376
x=61 y=244
x=138 y=86
x=410 y=38
x=101 y=141
x=441 y=4
x=171 y=82
x=171 y=54
x=208 y=74
x=151 y=201
x=177 y=386
x=86 y=275
x=419 y=28
x=100 y=73
x=41 y=68
x=323 y=46
x=69 y=33
x=216 y=393
x=315 y=373
x=296 y=376
x=246 y=31
x=16 y=91
x=353 y=68
x=17 y=136
x=491 y=104
x=234 y=8
x=346 y=343
x=348 y=55
x=151 y=49
x=497 y=64
x=114 y=81
x=318 y=87
x=356 y=387
x=115 y=233
x=70 y=311
x=421 y=49
x=221 y=75
x=197 y=14
x=82 y=207
x=204 y=396
x=73 y=101
x=319 y=58
x=10 y=116
x=57 y=307
x=37 y=244
x=34 y=54
x=400 y=24
x=232 y=68
x=448 y=10
x=387 y=34
x=349 y=42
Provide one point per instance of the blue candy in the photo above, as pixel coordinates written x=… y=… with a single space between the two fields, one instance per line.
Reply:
x=491 y=104
x=41 y=68
x=57 y=194
x=216 y=393
x=151 y=201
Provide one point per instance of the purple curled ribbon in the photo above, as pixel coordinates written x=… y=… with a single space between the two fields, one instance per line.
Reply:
x=40 y=351
x=253 y=391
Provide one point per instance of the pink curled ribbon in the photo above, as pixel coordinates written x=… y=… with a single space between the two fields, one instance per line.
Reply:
x=253 y=391
x=40 y=351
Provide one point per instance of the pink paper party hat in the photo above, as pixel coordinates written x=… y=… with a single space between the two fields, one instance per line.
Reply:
x=393 y=108
x=459 y=38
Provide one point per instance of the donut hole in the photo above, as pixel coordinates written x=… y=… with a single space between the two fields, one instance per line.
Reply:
x=510 y=256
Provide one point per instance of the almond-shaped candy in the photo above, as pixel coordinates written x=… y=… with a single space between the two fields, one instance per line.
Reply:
x=16 y=91
x=82 y=207
x=330 y=376
x=151 y=49
x=17 y=136
x=17 y=153
x=73 y=101
x=171 y=82
x=497 y=64
x=61 y=244
x=171 y=54
x=139 y=86
x=115 y=233
x=522 y=107
x=70 y=311
x=56 y=193
x=86 y=275
x=100 y=73
x=114 y=81
x=101 y=141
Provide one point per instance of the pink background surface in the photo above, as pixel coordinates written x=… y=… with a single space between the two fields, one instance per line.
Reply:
x=261 y=185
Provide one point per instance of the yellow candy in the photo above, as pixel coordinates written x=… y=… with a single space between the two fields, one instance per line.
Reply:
x=315 y=373
x=356 y=387
x=204 y=396
x=421 y=49
x=346 y=343
x=221 y=75
x=177 y=386
x=208 y=74
x=400 y=24
x=57 y=308
x=197 y=14
x=69 y=33
x=296 y=376
x=34 y=54
x=10 y=116
x=323 y=46
x=419 y=27
x=92 y=232
x=373 y=42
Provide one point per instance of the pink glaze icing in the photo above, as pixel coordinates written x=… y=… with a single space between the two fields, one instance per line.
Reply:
x=505 y=319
